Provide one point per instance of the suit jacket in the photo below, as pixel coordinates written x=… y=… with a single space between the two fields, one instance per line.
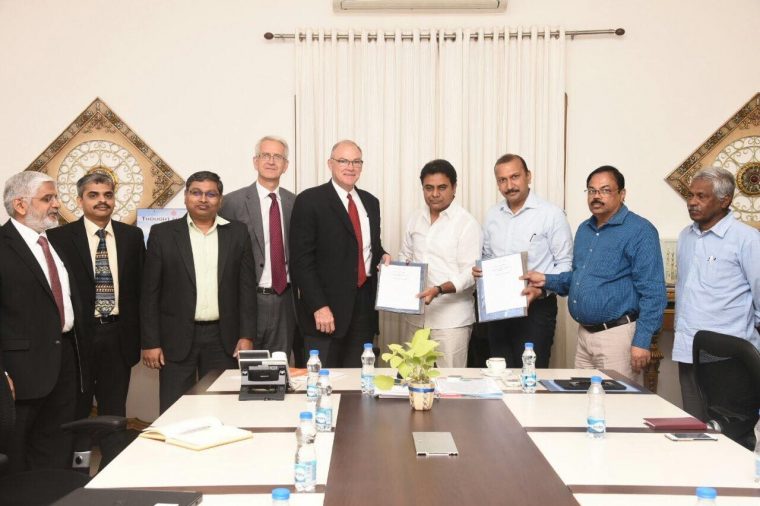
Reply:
x=244 y=205
x=71 y=242
x=167 y=307
x=324 y=251
x=30 y=325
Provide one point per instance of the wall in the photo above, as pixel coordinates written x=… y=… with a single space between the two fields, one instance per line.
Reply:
x=199 y=83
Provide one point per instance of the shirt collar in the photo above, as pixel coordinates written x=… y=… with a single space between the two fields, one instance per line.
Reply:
x=264 y=193
x=218 y=221
x=92 y=229
x=531 y=202
x=448 y=212
x=617 y=219
x=343 y=194
x=718 y=229
x=29 y=235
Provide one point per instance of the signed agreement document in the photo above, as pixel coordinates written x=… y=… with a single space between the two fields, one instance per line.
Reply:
x=500 y=289
x=398 y=285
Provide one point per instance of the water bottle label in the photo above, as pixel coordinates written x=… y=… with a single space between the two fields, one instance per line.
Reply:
x=595 y=425
x=368 y=382
x=324 y=418
x=529 y=380
x=757 y=466
x=302 y=471
x=312 y=391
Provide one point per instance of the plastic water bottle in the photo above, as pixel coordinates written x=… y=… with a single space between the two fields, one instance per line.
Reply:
x=706 y=496
x=312 y=375
x=368 y=370
x=324 y=402
x=528 y=376
x=306 y=455
x=280 y=497
x=595 y=423
x=757 y=451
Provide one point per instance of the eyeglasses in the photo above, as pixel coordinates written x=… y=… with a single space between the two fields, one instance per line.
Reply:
x=268 y=157
x=196 y=194
x=593 y=192
x=343 y=163
x=47 y=199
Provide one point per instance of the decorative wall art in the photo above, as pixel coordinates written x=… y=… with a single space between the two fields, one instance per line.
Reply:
x=735 y=146
x=99 y=141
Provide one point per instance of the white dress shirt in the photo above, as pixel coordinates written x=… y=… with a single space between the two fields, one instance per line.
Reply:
x=205 y=249
x=93 y=240
x=31 y=237
x=449 y=246
x=266 y=202
x=363 y=222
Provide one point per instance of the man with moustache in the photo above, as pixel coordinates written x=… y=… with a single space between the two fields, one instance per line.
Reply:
x=198 y=306
x=718 y=285
x=526 y=222
x=335 y=248
x=446 y=238
x=265 y=208
x=41 y=350
x=616 y=289
x=106 y=259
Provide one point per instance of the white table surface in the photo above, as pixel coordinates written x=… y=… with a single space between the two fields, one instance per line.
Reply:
x=297 y=499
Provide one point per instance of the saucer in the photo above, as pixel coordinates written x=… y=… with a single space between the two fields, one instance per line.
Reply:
x=490 y=374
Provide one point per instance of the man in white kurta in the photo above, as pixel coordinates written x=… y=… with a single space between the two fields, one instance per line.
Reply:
x=448 y=239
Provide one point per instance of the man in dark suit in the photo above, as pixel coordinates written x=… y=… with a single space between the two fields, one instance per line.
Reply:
x=335 y=248
x=198 y=305
x=265 y=208
x=40 y=349
x=106 y=259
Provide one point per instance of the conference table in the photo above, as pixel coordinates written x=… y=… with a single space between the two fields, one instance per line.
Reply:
x=521 y=449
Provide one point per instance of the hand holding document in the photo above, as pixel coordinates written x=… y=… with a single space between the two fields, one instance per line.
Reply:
x=500 y=288
x=398 y=285
x=197 y=433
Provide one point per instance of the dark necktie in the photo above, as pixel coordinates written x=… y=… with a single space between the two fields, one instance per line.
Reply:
x=353 y=215
x=276 y=248
x=55 y=281
x=105 y=300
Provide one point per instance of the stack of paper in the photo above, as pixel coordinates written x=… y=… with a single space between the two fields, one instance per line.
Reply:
x=484 y=388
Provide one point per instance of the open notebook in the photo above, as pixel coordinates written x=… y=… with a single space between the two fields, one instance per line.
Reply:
x=197 y=433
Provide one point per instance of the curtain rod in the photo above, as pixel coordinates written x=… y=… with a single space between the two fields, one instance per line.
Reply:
x=446 y=35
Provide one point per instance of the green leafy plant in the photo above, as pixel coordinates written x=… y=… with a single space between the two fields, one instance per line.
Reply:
x=414 y=360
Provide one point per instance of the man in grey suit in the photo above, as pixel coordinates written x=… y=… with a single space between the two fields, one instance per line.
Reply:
x=265 y=208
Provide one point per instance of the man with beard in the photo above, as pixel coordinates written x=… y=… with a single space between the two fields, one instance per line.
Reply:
x=105 y=258
x=616 y=289
x=718 y=284
x=40 y=348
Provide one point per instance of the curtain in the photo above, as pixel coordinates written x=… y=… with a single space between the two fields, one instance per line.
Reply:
x=405 y=102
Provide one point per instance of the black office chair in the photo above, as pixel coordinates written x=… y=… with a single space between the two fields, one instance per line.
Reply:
x=45 y=486
x=727 y=371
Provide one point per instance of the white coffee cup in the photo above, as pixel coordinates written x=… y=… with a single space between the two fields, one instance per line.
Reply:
x=496 y=365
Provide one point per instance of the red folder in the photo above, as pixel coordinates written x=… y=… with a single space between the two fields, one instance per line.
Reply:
x=683 y=423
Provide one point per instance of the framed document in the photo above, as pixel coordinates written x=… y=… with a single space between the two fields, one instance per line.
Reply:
x=398 y=285
x=500 y=288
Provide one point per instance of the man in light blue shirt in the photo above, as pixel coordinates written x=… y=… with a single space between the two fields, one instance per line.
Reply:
x=718 y=285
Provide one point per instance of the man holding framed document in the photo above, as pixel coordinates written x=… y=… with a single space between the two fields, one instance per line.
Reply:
x=446 y=238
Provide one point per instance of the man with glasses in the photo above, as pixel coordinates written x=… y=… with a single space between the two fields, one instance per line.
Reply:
x=265 y=208
x=335 y=249
x=616 y=289
x=198 y=306
x=526 y=222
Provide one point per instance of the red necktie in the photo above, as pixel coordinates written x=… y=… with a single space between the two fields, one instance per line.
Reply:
x=276 y=248
x=55 y=281
x=353 y=215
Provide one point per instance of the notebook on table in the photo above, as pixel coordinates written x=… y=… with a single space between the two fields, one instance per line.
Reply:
x=677 y=423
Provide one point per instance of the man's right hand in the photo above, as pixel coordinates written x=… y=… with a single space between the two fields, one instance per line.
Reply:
x=324 y=321
x=153 y=358
x=10 y=384
x=477 y=272
x=534 y=279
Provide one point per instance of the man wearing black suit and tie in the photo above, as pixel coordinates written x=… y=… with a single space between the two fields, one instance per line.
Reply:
x=40 y=348
x=335 y=248
x=198 y=306
x=106 y=259
x=265 y=208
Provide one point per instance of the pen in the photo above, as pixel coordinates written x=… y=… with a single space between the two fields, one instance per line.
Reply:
x=531 y=238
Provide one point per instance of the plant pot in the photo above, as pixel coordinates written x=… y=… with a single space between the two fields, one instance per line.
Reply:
x=421 y=396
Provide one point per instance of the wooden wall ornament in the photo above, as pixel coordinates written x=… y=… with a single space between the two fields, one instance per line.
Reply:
x=99 y=141
x=735 y=146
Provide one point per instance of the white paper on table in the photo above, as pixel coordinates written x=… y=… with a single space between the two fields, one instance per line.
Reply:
x=502 y=285
x=468 y=387
x=398 y=286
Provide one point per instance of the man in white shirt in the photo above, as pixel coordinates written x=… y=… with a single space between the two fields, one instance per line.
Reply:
x=446 y=238
x=525 y=222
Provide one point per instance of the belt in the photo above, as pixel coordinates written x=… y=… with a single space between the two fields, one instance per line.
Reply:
x=623 y=320
x=269 y=291
x=209 y=322
x=105 y=320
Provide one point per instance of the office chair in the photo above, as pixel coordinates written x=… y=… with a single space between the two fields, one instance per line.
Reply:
x=727 y=371
x=44 y=486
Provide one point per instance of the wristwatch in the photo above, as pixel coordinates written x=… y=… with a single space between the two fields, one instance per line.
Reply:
x=440 y=290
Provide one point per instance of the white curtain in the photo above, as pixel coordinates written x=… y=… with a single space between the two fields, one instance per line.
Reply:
x=405 y=102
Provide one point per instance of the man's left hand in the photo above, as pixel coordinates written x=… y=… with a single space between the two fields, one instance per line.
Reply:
x=385 y=260
x=532 y=293
x=639 y=358
x=243 y=344
x=428 y=294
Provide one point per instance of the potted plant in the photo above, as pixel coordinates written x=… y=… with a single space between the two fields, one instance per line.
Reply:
x=414 y=362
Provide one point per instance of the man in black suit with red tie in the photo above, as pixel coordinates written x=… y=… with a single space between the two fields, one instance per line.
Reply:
x=335 y=248
x=41 y=350
x=106 y=259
